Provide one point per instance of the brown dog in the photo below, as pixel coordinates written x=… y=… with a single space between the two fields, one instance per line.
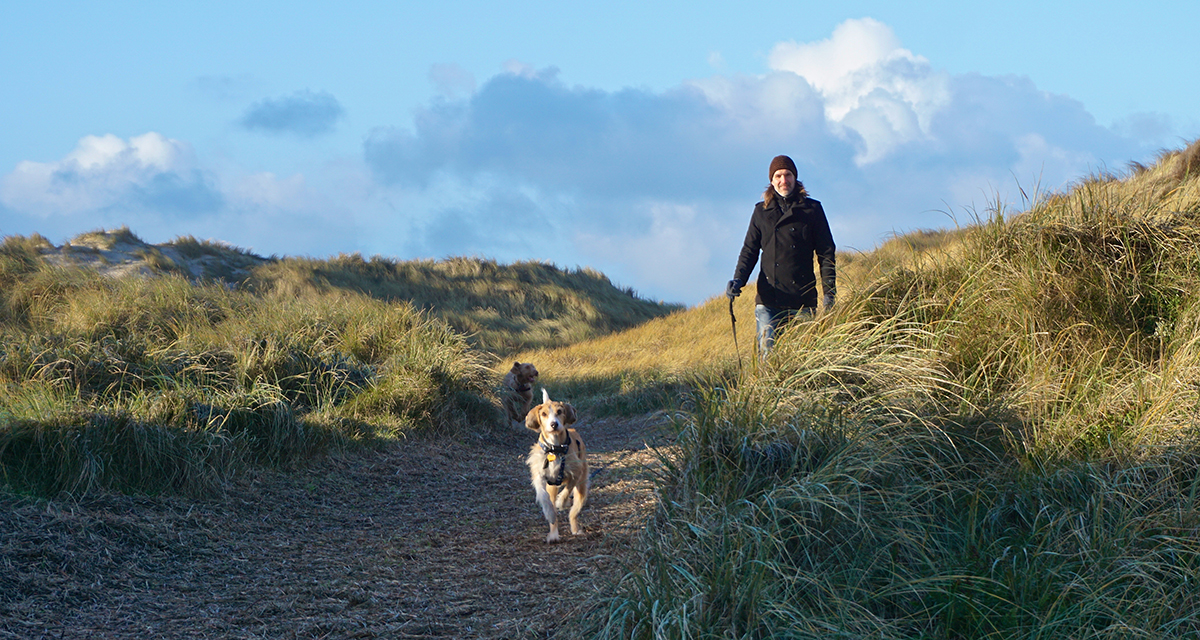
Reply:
x=557 y=462
x=518 y=390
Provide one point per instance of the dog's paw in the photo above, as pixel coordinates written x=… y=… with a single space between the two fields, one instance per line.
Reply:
x=553 y=537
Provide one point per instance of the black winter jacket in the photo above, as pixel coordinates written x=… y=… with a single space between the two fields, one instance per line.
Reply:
x=788 y=232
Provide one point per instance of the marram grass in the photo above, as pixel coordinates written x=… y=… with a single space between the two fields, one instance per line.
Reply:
x=257 y=360
x=813 y=523
x=500 y=308
x=163 y=384
x=993 y=436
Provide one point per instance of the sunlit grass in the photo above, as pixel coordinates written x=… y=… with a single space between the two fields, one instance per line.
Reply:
x=994 y=436
x=500 y=308
x=111 y=382
x=163 y=384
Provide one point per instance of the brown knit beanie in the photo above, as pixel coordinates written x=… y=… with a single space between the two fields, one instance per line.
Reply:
x=781 y=162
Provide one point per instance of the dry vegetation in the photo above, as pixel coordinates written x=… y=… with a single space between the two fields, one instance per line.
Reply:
x=994 y=435
x=500 y=308
x=234 y=446
x=419 y=541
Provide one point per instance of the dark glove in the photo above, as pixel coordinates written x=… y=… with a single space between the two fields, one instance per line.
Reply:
x=827 y=305
x=733 y=289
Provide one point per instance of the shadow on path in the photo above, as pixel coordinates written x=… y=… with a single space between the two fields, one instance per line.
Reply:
x=423 y=540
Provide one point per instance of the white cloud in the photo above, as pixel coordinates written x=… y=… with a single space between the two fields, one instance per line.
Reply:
x=1043 y=162
x=157 y=187
x=870 y=85
x=653 y=188
x=672 y=255
x=106 y=171
x=778 y=106
x=656 y=188
x=265 y=191
x=831 y=64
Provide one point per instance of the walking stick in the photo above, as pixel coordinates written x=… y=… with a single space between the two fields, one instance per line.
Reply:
x=733 y=323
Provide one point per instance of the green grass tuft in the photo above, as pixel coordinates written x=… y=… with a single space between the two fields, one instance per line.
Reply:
x=164 y=384
x=995 y=435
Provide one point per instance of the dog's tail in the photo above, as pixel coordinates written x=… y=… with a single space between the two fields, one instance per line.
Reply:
x=545 y=395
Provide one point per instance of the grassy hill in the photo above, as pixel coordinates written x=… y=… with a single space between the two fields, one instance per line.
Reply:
x=996 y=435
x=500 y=308
x=170 y=367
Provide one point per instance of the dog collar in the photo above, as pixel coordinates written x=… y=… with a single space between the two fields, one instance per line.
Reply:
x=524 y=389
x=557 y=449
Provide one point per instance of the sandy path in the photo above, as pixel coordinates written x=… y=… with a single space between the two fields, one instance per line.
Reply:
x=424 y=540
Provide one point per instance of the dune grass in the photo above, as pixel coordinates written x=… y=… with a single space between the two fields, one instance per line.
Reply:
x=224 y=359
x=994 y=436
x=500 y=308
x=164 y=384
x=647 y=367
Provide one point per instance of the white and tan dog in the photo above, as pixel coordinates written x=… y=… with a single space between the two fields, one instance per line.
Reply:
x=518 y=390
x=557 y=462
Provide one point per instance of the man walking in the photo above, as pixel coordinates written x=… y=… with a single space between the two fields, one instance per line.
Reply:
x=788 y=227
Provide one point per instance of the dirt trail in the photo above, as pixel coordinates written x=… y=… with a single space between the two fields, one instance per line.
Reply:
x=424 y=540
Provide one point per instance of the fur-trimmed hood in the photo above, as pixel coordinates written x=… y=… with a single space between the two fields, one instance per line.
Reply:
x=769 y=195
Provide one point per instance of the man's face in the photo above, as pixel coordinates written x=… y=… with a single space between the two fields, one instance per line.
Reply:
x=783 y=181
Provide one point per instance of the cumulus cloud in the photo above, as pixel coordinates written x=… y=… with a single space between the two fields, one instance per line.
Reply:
x=870 y=85
x=533 y=129
x=654 y=188
x=150 y=172
x=288 y=215
x=156 y=186
x=676 y=235
x=658 y=186
x=303 y=113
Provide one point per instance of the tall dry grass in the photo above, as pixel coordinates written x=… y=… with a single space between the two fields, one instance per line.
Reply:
x=224 y=358
x=646 y=367
x=164 y=384
x=500 y=308
x=994 y=436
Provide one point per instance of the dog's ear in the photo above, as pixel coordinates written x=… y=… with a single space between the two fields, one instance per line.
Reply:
x=569 y=413
x=531 y=419
x=516 y=368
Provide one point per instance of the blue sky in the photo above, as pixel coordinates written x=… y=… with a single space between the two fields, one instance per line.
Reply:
x=631 y=137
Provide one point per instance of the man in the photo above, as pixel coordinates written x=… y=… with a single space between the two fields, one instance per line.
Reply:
x=788 y=227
